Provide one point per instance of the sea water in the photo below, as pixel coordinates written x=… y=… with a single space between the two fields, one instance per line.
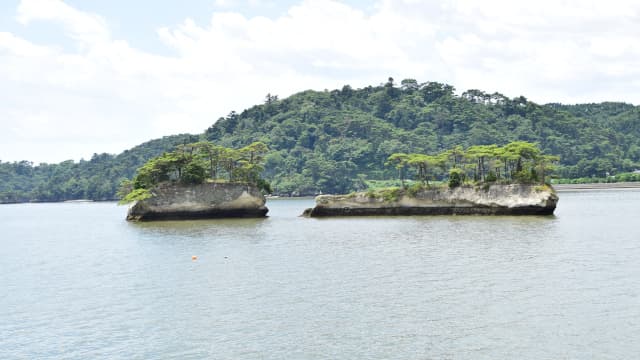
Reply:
x=79 y=282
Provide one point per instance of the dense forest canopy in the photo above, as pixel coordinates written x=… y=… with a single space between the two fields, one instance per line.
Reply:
x=336 y=141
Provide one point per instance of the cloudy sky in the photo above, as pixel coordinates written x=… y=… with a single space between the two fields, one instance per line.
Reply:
x=80 y=77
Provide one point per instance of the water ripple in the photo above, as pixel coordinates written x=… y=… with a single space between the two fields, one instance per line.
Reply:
x=78 y=282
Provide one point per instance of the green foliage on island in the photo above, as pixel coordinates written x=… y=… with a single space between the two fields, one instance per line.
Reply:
x=339 y=141
x=387 y=194
x=196 y=163
x=516 y=162
x=134 y=195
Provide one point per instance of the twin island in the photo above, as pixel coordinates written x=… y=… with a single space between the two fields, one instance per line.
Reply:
x=176 y=202
x=180 y=185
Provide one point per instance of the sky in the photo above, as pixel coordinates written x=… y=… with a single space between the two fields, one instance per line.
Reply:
x=81 y=77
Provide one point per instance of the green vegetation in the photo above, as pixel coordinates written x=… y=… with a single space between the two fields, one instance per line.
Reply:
x=387 y=194
x=95 y=179
x=622 y=177
x=196 y=163
x=135 y=195
x=516 y=162
x=339 y=141
x=545 y=187
x=456 y=177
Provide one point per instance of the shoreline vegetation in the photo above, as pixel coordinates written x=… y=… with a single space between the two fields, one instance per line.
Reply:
x=597 y=186
x=629 y=177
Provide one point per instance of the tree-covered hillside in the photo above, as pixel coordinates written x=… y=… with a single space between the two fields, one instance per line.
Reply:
x=96 y=179
x=332 y=141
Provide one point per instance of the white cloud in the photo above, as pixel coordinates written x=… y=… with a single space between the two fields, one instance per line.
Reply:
x=106 y=95
x=88 y=28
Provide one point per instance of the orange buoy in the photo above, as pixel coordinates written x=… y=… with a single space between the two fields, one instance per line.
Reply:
x=194 y=258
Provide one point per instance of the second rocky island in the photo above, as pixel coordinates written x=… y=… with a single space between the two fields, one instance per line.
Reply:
x=512 y=199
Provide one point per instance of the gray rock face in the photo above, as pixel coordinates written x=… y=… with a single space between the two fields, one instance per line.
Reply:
x=210 y=200
x=514 y=199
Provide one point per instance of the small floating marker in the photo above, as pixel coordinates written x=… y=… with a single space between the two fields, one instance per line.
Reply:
x=194 y=258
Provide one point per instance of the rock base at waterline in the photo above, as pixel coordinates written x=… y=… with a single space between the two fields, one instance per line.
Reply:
x=514 y=199
x=203 y=201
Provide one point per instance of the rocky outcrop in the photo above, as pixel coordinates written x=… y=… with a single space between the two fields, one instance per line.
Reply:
x=514 y=199
x=209 y=200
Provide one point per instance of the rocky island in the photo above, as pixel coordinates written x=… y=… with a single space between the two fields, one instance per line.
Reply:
x=202 y=201
x=482 y=180
x=198 y=181
x=511 y=199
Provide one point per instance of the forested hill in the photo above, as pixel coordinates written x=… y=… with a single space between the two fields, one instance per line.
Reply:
x=332 y=141
x=95 y=179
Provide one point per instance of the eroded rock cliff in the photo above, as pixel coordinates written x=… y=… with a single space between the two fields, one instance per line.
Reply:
x=209 y=200
x=514 y=199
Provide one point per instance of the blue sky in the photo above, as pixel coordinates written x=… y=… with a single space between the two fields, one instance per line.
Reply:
x=80 y=77
x=137 y=21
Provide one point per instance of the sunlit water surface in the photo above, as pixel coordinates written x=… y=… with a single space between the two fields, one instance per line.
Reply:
x=79 y=282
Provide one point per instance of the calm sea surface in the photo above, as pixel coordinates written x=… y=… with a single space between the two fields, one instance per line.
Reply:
x=79 y=282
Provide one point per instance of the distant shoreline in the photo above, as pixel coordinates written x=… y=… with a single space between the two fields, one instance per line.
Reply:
x=597 y=186
x=79 y=201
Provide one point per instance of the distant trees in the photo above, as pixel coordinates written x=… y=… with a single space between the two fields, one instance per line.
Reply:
x=409 y=85
x=97 y=178
x=270 y=98
x=518 y=161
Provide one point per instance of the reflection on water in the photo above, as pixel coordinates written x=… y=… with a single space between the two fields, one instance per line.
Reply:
x=80 y=282
x=196 y=227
